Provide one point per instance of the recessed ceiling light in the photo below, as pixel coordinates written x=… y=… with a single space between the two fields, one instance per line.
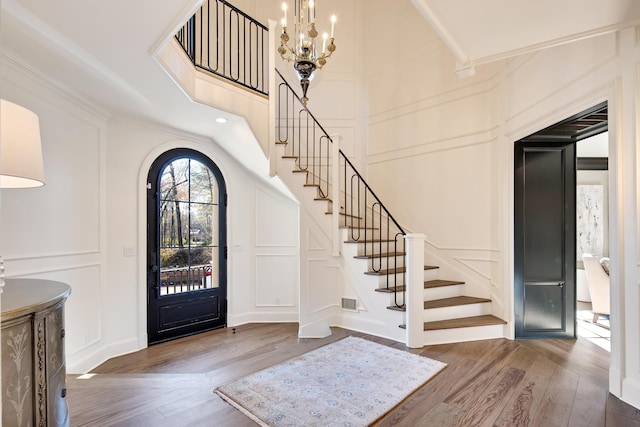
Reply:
x=221 y=120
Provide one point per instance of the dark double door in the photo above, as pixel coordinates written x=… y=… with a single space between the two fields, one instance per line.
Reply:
x=545 y=239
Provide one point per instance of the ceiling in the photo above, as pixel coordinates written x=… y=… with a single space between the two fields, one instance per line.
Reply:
x=104 y=51
x=104 y=54
x=479 y=32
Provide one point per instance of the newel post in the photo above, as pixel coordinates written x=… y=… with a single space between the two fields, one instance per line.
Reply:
x=414 y=300
x=335 y=193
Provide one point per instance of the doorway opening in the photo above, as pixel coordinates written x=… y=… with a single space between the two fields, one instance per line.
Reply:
x=187 y=250
x=560 y=217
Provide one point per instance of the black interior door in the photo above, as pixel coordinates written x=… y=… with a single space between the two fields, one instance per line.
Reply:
x=186 y=220
x=545 y=236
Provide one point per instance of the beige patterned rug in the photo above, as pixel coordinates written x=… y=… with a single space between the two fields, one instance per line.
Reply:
x=351 y=382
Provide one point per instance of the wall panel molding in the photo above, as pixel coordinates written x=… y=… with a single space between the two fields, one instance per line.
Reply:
x=273 y=220
x=426 y=148
x=436 y=101
x=276 y=280
x=50 y=255
x=12 y=61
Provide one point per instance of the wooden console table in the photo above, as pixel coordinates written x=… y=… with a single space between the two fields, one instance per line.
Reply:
x=33 y=361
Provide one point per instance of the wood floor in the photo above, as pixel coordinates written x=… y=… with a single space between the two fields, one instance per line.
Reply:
x=487 y=383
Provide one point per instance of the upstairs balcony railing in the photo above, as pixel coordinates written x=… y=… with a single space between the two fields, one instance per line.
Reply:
x=223 y=40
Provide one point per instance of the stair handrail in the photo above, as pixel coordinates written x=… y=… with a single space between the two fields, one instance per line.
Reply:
x=372 y=193
x=307 y=140
x=378 y=222
x=300 y=100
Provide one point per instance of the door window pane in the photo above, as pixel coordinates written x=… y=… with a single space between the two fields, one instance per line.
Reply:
x=188 y=228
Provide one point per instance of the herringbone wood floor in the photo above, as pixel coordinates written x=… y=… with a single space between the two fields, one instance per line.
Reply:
x=496 y=382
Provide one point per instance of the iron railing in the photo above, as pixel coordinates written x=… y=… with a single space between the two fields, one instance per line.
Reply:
x=223 y=40
x=369 y=222
x=362 y=213
x=307 y=141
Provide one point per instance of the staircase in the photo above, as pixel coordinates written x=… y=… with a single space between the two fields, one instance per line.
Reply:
x=369 y=240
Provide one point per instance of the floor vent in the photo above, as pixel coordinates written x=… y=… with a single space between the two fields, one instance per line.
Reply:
x=349 y=304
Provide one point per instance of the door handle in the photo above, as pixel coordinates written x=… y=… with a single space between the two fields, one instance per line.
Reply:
x=550 y=283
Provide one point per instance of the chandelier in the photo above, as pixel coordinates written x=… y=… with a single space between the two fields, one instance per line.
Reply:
x=304 y=54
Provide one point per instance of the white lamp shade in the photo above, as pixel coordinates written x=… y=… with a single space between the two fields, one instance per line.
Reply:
x=20 y=149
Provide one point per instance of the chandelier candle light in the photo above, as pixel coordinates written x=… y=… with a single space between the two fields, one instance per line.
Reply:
x=305 y=56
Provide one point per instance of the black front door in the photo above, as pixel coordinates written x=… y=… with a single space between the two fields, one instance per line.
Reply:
x=186 y=225
x=545 y=248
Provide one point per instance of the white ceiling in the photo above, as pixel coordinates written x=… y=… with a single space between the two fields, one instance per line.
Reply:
x=103 y=51
x=479 y=32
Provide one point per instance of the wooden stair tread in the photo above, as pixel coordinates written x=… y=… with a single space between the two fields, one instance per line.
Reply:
x=345 y=215
x=439 y=283
x=454 y=301
x=384 y=255
x=289 y=157
x=464 y=322
x=356 y=227
x=396 y=270
x=322 y=199
x=391 y=289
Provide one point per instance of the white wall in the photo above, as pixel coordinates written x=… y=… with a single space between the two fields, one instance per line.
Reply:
x=57 y=231
x=431 y=146
x=76 y=227
x=551 y=85
x=440 y=151
x=262 y=245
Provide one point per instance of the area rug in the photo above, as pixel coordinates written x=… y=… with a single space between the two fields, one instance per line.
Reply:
x=351 y=382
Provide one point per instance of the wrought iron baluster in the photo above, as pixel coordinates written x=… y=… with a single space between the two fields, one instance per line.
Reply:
x=221 y=33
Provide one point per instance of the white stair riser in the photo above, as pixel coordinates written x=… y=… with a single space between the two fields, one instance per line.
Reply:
x=443 y=292
x=377 y=264
x=456 y=312
x=361 y=234
x=375 y=247
x=384 y=263
x=430 y=274
x=445 y=336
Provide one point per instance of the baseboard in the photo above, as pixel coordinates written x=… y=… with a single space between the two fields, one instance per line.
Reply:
x=318 y=329
x=243 y=319
x=631 y=392
x=615 y=382
x=86 y=360
x=390 y=331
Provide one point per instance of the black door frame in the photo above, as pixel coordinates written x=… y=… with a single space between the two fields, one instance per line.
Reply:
x=153 y=249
